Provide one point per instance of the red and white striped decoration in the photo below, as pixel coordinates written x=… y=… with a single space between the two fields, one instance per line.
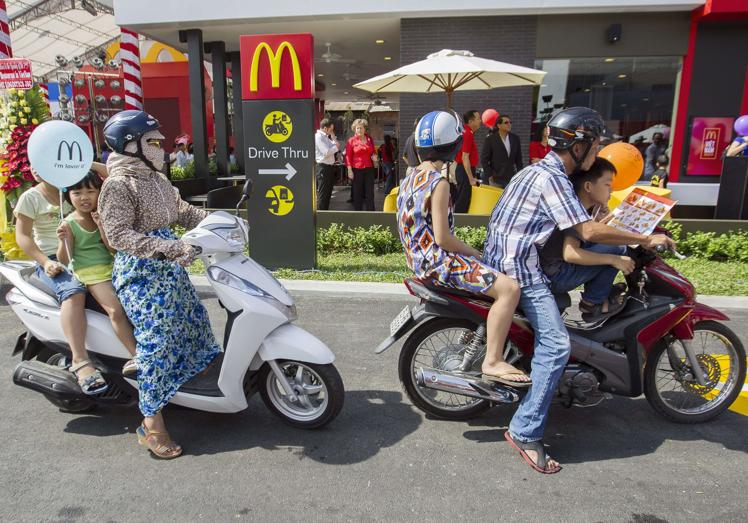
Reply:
x=129 y=53
x=6 y=50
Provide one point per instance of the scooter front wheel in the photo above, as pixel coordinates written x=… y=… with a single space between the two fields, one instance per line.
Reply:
x=318 y=393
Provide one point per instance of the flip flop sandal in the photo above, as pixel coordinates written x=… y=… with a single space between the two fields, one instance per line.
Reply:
x=504 y=379
x=130 y=368
x=536 y=446
x=161 y=450
x=93 y=384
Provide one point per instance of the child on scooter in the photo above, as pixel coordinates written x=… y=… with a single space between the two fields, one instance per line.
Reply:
x=569 y=262
x=37 y=219
x=83 y=245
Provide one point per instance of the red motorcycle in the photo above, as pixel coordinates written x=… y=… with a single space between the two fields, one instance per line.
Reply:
x=663 y=343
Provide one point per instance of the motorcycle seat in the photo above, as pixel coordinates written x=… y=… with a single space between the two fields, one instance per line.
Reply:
x=91 y=303
x=444 y=289
x=37 y=282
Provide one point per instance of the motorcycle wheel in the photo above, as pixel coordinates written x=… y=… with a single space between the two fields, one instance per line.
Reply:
x=70 y=406
x=319 y=389
x=670 y=387
x=445 y=353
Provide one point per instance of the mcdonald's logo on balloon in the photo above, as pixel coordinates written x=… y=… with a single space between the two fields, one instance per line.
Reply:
x=276 y=67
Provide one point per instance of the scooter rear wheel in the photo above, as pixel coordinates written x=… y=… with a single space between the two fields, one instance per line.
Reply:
x=319 y=389
x=435 y=344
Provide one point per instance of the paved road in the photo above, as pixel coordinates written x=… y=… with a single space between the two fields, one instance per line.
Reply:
x=381 y=460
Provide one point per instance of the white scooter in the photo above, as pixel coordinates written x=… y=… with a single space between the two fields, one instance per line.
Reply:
x=262 y=349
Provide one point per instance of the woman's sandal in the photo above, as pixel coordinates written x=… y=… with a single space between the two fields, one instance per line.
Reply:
x=130 y=368
x=94 y=383
x=159 y=444
x=537 y=446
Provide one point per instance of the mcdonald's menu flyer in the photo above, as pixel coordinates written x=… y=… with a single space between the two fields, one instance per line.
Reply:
x=640 y=212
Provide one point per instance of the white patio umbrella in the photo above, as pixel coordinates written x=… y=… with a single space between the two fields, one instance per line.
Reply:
x=451 y=71
x=647 y=133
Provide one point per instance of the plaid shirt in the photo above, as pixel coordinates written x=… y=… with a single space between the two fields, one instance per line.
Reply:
x=537 y=200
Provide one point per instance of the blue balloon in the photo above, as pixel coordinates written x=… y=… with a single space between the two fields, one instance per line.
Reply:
x=60 y=153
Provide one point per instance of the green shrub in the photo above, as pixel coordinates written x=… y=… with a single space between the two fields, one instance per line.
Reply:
x=473 y=236
x=372 y=240
x=378 y=240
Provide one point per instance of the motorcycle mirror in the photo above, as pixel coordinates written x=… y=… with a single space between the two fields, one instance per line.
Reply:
x=248 y=187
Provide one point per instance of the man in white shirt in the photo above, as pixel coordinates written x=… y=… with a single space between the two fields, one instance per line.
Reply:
x=325 y=147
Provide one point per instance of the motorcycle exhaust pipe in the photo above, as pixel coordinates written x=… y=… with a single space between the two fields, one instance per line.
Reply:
x=47 y=379
x=465 y=386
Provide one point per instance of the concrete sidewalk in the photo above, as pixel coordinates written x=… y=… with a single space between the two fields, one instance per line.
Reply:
x=398 y=289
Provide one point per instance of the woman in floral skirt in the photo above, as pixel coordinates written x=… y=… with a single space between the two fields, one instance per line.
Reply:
x=137 y=206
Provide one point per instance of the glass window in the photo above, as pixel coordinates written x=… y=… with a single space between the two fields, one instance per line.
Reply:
x=632 y=94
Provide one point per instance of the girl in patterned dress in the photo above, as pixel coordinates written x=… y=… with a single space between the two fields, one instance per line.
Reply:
x=138 y=204
x=426 y=227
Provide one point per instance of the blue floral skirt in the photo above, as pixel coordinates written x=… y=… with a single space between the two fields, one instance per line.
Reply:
x=171 y=326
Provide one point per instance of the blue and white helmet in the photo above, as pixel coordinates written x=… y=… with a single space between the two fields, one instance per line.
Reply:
x=439 y=136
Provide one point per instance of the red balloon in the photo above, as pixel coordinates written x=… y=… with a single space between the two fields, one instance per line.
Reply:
x=489 y=117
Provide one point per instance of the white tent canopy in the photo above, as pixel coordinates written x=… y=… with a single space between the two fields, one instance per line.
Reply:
x=42 y=29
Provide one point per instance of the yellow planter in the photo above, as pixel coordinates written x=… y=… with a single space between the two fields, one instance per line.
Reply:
x=483 y=199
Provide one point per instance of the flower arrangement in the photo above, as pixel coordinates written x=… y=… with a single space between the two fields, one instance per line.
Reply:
x=20 y=112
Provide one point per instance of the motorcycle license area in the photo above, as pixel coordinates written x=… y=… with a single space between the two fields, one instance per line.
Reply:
x=176 y=349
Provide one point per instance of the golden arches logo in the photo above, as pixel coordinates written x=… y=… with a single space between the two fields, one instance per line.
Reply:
x=275 y=58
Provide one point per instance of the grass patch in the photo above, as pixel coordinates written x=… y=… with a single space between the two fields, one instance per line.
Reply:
x=709 y=277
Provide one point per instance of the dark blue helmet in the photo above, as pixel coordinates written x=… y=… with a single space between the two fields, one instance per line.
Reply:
x=126 y=126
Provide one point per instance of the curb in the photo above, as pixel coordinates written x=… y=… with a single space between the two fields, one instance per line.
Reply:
x=397 y=289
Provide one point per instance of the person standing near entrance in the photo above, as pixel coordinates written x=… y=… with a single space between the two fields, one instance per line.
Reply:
x=325 y=147
x=656 y=148
x=467 y=161
x=501 y=156
x=360 y=158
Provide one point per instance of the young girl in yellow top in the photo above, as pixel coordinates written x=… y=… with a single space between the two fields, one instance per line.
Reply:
x=85 y=248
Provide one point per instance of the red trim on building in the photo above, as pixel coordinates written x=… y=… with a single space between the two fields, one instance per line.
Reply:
x=681 y=118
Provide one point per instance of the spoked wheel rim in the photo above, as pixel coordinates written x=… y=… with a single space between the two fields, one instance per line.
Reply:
x=309 y=387
x=444 y=350
x=676 y=385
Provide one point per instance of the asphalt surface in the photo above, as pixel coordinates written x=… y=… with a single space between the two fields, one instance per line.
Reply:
x=380 y=460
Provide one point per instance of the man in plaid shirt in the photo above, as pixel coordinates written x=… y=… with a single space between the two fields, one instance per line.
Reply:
x=539 y=199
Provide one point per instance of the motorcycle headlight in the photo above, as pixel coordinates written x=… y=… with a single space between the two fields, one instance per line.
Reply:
x=234 y=236
x=235 y=282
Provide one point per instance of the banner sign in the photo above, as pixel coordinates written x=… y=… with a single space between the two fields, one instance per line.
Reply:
x=15 y=73
x=278 y=108
x=709 y=139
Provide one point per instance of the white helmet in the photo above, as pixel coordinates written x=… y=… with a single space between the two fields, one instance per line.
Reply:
x=439 y=136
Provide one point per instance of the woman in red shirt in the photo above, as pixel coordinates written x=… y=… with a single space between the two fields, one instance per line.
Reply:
x=538 y=149
x=360 y=157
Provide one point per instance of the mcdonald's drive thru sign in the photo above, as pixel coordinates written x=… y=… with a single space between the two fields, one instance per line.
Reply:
x=277 y=67
x=277 y=76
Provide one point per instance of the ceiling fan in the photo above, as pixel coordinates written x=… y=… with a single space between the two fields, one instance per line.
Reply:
x=329 y=57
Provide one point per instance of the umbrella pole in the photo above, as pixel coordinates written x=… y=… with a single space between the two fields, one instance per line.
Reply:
x=449 y=98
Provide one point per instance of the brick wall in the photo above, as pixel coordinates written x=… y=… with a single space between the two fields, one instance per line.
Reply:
x=509 y=39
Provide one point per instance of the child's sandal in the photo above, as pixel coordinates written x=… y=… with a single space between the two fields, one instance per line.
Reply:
x=159 y=444
x=94 y=383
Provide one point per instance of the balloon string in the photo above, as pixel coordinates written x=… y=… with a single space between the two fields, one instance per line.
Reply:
x=65 y=241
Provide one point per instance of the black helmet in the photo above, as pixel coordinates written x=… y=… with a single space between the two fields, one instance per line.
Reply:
x=438 y=136
x=128 y=126
x=575 y=125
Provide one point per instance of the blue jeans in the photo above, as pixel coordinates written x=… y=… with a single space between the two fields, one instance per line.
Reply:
x=597 y=279
x=552 y=349
x=64 y=284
